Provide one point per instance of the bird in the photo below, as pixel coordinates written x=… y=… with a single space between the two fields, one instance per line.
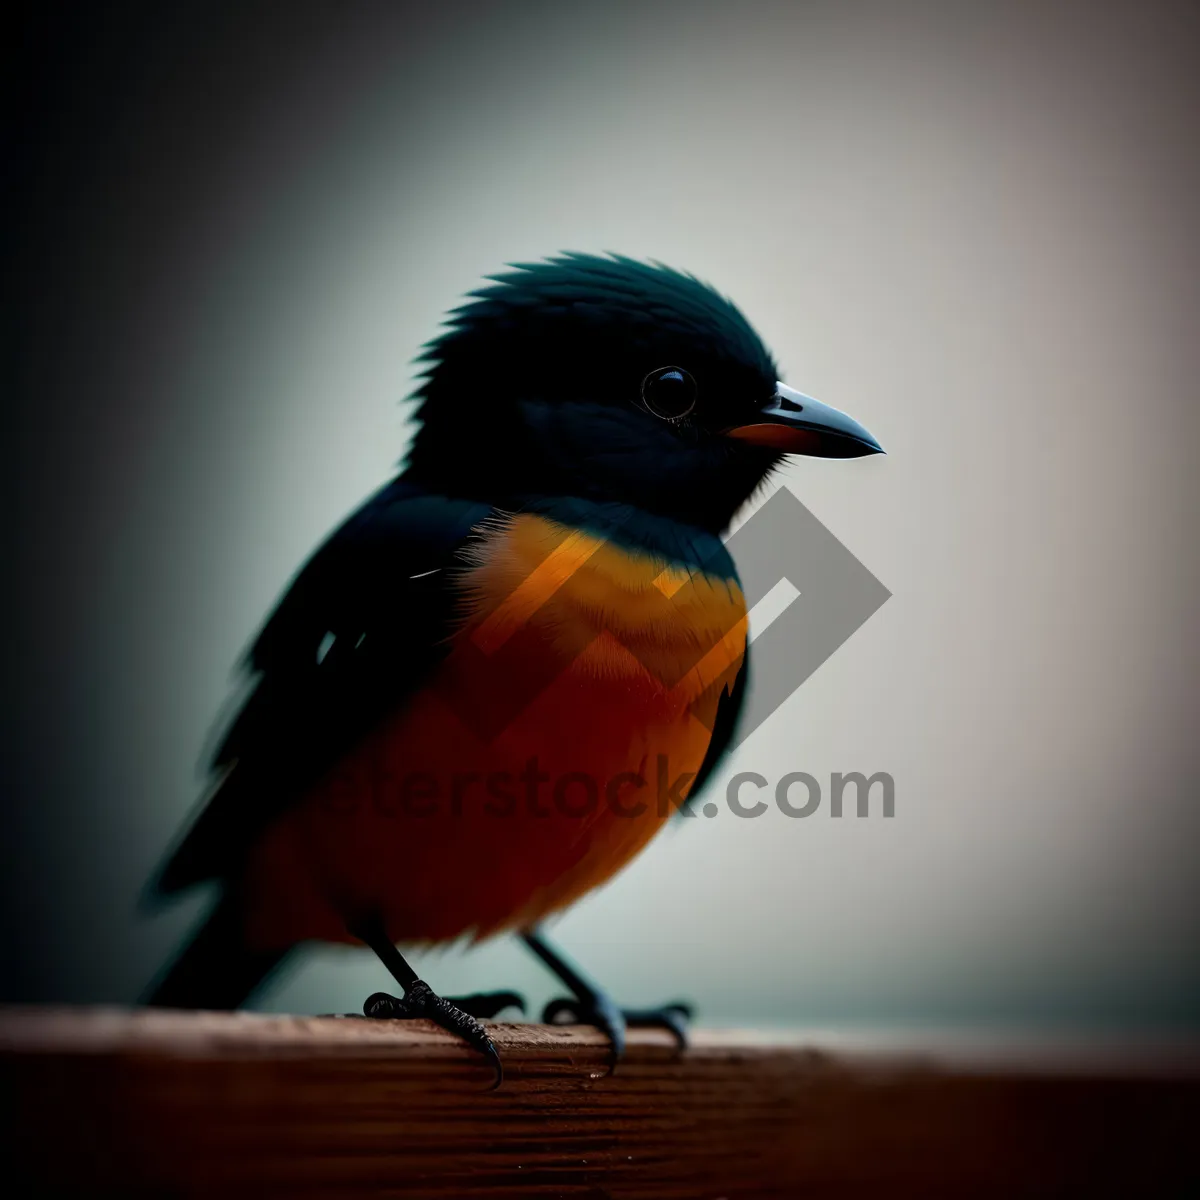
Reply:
x=496 y=681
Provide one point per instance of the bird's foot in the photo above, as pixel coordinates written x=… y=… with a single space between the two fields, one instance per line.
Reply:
x=455 y=1016
x=600 y=1011
x=484 y=1005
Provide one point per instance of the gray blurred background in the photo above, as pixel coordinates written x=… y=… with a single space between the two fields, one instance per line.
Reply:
x=973 y=226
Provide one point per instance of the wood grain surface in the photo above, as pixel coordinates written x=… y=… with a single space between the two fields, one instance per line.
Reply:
x=164 y=1104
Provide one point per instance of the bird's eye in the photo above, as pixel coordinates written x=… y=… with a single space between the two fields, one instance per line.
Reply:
x=669 y=393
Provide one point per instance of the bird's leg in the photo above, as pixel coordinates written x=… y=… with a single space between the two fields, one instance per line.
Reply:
x=590 y=1005
x=420 y=1000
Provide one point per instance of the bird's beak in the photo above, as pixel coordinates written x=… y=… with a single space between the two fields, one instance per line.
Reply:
x=794 y=423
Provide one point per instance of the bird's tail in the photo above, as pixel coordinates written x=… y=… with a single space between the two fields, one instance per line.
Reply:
x=215 y=970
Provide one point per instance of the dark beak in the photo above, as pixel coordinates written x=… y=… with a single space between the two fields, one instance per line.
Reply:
x=794 y=423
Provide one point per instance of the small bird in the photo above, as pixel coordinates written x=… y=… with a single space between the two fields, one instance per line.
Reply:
x=491 y=687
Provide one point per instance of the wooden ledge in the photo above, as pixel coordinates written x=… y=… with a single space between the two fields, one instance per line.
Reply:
x=114 y=1102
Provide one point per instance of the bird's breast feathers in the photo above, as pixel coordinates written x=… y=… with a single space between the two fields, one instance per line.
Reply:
x=595 y=608
x=579 y=689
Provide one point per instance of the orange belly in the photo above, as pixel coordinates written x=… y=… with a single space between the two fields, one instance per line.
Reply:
x=582 y=678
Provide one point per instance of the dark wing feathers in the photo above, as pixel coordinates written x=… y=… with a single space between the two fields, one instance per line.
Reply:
x=729 y=710
x=357 y=631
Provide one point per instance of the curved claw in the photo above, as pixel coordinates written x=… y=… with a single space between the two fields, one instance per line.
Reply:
x=674 y=1018
x=423 y=1001
x=493 y=1056
x=382 y=1006
x=609 y=1019
x=600 y=1012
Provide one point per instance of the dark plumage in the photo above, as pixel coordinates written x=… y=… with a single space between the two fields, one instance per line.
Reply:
x=591 y=402
x=546 y=362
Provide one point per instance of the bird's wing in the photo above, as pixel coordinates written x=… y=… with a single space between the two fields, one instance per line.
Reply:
x=358 y=630
x=729 y=710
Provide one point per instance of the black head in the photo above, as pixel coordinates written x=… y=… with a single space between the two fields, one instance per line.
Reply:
x=612 y=380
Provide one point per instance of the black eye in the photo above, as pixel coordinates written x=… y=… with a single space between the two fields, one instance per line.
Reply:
x=669 y=392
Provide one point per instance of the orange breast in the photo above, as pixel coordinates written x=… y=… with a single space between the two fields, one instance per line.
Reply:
x=581 y=682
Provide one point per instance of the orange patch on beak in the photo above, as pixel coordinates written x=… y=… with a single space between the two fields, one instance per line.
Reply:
x=779 y=437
